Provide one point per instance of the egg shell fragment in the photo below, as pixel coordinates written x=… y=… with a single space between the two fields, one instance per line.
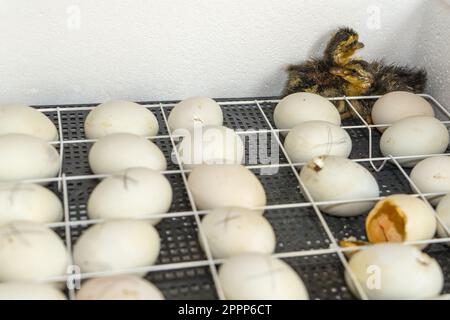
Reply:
x=331 y=178
x=24 y=157
x=116 y=245
x=120 y=117
x=120 y=151
x=135 y=193
x=414 y=136
x=228 y=185
x=195 y=110
x=304 y=106
x=31 y=252
x=124 y=287
x=232 y=231
x=257 y=276
x=16 y=118
x=30 y=202
x=395 y=271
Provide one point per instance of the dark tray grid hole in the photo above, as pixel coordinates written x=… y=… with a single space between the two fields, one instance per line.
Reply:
x=262 y=149
x=297 y=229
x=244 y=117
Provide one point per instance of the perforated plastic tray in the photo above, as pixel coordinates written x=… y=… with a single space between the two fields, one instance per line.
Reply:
x=301 y=239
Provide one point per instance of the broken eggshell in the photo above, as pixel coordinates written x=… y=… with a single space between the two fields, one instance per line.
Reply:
x=399 y=218
x=332 y=178
x=395 y=271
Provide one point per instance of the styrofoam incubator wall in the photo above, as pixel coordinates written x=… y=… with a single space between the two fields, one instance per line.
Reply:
x=81 y=51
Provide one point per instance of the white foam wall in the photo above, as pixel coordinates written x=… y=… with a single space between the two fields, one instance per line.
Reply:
x=170 y=49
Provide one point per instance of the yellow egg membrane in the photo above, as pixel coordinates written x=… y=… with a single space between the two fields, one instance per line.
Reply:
x=386 y=223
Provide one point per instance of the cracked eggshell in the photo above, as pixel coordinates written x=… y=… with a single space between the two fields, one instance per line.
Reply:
x=232 y=231
x=126 y=287
x=331 y=178
x=227 y=185
x=411 y=136
x=398 y=105
x=120 y=151
x=29 y=291
x=120 y=117
x=211 y=145
x=16 y=118
x=117 y=244
x=316 y=138
x=30 y=202
x=31 y=251
x=135 y=193
x=257 y=276
x=400 y=217
x=25 y=157
x=443 y=211
x=432 y=175
x=395 y=271
x=195 y=110
x=304 y=106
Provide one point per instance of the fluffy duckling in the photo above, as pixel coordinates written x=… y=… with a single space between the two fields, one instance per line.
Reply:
x=342 y=47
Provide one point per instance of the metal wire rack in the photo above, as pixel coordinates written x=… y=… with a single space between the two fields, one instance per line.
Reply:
x=306 y=239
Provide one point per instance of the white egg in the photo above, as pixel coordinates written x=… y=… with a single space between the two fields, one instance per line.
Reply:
x=126 y=287
x=29 y=291
x=120 y=117
x=400 y=217
x=414 y=136
x=117 y=244
x=16 y=118
x=232 y=231
x=316 y=138
x=398 y=105
x=443 y=211
x=210 y=145
x=135 y=193
x=331 y=178
x=230 y=185
x=195 y=110
x=395 y=271
x=31 y=251
x=432 y=175
x=26 y=157
x=120 y=151
x=257 y=276
x=304 y=106
x=30 y=202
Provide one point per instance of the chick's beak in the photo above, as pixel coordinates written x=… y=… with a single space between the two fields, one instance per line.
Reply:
x=358 y=45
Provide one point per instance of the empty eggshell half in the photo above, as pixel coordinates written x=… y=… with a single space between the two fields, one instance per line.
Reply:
x=25 y=157
x=414 y=136
x=304 y=106
x=331 y=178
x=443 y=211
x=432 y=175
x=135 y=193
x=232 y=231
x=210 y=145
x=228 y=185
x=31 y=251
x=116 y=245
x=126 y=287
x=30 y=202
x=120 y=151
x=395 y=271
x=399 y=218
x=258 y=276
x=29 y=291
x=120 y=117
x=16 y=118
x=398 y=105
x=316 y=138
x=195 y=111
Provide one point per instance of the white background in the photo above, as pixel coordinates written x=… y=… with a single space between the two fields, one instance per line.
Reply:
x=81 y=51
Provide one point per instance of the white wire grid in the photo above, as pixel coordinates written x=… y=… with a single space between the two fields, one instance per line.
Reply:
x=260 y=113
